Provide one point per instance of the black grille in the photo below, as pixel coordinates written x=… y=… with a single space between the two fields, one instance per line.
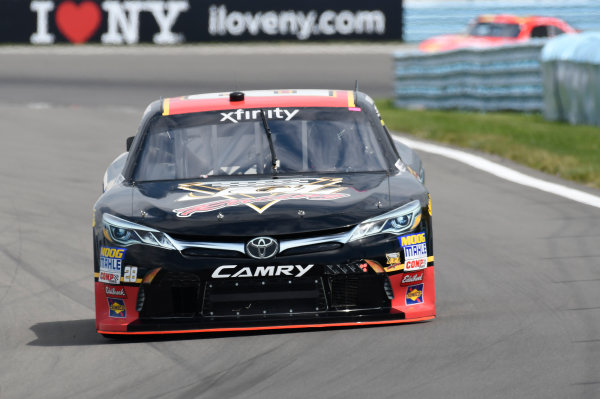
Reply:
x=211 y=253
x=177 y=279
x=387 y=286
x=358 y=291
x=344 y=292
x=346 y=268
x=307 y=249
x=141 y=298
x=245 y=297
x=185 y=295
x=172 y=294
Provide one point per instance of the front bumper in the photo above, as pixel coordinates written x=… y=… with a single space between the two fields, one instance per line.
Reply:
x=279 y=309
x=361 y=284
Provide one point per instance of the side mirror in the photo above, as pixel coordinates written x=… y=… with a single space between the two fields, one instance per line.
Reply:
x=128 y=143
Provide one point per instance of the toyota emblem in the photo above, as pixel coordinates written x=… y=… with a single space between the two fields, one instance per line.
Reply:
x=262 y=248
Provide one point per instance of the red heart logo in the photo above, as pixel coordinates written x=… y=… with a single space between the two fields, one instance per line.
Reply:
x=78 y=22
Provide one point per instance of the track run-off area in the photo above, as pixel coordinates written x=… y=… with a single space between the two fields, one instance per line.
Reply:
x=517 y=268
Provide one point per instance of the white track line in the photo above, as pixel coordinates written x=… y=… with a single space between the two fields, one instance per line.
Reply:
x=503 y=172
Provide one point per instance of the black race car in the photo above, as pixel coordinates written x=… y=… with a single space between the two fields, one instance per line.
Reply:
x=262 y=210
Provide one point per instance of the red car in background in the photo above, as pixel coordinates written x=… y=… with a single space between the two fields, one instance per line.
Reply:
x=497 y=30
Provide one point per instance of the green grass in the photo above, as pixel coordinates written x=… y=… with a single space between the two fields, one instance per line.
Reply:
x=571 y=152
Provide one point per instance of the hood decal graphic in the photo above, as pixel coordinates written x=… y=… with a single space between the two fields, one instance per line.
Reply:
x=259 y=195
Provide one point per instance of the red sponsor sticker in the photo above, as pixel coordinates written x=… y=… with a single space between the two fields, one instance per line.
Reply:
x=417 y=264
x=108 y=277
x=411 y=278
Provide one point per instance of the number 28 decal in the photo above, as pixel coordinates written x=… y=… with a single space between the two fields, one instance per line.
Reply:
x=130 y=274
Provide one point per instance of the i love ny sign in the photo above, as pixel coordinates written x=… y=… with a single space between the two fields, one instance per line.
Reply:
x=125 y=22
x=79 y=21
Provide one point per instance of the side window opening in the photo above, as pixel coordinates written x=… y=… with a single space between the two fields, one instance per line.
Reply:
x=540 y=31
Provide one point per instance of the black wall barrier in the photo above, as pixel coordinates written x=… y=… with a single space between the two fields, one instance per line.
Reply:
x=178 y=21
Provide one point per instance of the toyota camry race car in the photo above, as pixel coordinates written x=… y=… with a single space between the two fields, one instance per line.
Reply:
x=262 y=210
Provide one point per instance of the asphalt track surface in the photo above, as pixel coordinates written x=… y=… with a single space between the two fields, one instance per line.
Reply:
x=517 y=269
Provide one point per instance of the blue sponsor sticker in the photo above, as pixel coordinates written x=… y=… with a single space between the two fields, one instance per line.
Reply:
x=412 y=239
x=117 y=308
x=414 y=294
x=111 y=258
x=415 y=251
x=110 y=264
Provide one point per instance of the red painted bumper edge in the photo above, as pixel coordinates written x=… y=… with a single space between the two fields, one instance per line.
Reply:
x=282 y=327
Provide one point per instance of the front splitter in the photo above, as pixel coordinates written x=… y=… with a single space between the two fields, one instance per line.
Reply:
x=171 y=328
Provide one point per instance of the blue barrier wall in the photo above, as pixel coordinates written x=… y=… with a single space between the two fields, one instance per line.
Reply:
x=426 y=18
x=500 y=78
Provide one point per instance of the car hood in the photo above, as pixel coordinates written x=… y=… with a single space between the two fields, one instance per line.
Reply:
x=269 y=206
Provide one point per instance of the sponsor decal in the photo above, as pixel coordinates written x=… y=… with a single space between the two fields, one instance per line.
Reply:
x=412 y=239
x=417 y=264
x=415 y=251
x=234 y=271
x=109 y=277
x=393 y=258
x=414 y=294
x=400 y=166
x=258 y=195
x=411 y=278
x=412 y=172
x=254 y=114
x=112 y=291
x=110 y=264
x=393 y=261
x=116 y=308
x=394 y=268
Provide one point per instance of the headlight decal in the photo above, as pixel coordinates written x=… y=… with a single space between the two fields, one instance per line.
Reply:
x=398 y=221
x=125 y=233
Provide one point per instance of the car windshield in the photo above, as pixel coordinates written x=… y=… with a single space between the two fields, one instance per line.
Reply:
x=495 y=30
x=234 y=142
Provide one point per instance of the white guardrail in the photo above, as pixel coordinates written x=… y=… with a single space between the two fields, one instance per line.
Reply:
x=503 y=78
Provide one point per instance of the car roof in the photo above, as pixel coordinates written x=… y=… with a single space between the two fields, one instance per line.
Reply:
x=514 y=19
x=258 y=99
